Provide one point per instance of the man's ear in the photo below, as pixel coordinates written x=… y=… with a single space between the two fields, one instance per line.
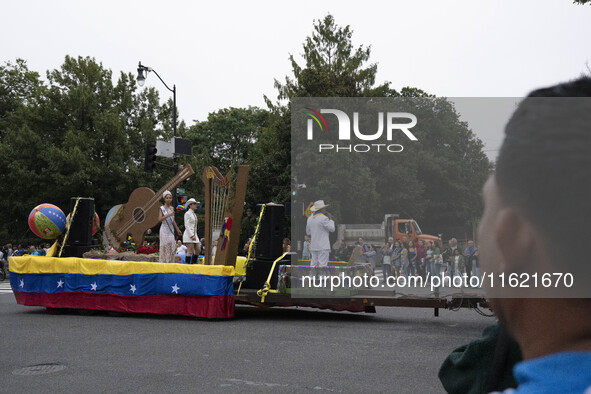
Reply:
x=515 y=239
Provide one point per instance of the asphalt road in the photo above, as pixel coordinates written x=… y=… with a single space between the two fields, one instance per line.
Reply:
x=396 y=350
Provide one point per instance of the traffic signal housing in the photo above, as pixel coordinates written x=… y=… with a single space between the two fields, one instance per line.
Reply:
x=180 y=168
x=182 y=201
x=150 y=160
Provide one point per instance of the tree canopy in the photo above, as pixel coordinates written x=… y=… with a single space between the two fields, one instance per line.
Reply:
x=76 y=135
x=228 y=136
x=333 y=67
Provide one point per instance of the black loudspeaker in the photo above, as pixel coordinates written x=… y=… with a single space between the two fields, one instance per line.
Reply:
x=269 y=242
x=81 y=225
x=258 y=272
x=76 y=251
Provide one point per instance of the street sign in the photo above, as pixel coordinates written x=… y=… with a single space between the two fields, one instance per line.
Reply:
x=165 y=149
x=182 y=147
x=168 y=149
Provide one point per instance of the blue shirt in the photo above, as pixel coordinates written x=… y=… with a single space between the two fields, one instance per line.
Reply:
x=562 y=373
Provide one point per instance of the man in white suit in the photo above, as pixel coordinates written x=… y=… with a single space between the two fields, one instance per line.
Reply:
x=318 y=227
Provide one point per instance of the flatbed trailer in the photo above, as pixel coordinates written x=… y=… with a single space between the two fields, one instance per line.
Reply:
x=424 y=294
x=366 y=301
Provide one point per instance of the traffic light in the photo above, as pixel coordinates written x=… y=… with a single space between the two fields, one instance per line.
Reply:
x=182 y=200
x=150 y=161
x=180 y=168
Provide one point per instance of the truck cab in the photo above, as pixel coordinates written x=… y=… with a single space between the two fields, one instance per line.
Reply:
x=406 y=230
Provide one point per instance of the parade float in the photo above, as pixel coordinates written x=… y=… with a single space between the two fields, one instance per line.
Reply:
x=67 y=278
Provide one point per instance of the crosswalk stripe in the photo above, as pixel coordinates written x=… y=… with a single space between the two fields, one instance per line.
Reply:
x=5 y=287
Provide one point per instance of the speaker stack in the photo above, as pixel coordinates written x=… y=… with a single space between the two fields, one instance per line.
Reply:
x=269 y=242
x=80 y=237
x=269 y=246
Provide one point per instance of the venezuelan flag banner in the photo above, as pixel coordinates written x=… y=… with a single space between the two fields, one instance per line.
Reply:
x=123 y=286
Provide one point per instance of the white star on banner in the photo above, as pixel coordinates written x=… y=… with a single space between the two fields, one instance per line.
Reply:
x=22 y=284
x=175 y=289
x=60 y=283
x=132 y=289
x=93 y=286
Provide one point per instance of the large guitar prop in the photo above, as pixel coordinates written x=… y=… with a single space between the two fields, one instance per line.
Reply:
x=140 y=213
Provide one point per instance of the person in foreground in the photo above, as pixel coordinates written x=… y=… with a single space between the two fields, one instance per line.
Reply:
x=537 y=207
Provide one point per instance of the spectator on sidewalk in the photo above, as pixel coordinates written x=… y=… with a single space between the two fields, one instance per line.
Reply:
x=371 y=256
x=469 y=255
x=386 y=261
x=306 y=255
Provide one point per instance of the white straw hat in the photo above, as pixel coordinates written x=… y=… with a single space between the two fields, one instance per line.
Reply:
x=318 y=205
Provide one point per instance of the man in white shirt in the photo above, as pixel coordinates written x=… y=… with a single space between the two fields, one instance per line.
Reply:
x=318 y=227
x=181 y=250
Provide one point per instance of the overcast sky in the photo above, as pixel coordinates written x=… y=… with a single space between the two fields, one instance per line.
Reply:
x=228 y=53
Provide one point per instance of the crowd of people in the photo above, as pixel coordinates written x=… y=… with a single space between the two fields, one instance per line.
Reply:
x=7 y=251
x=421 y=258
x=417 y=257
x=20 y=250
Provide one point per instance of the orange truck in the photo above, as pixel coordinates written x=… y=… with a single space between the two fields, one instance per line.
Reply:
x=377 y=234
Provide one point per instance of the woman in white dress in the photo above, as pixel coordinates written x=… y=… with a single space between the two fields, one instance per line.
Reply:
x=190 y=237
x=167 y=229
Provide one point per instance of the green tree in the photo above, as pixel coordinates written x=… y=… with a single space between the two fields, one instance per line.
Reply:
x=228 y=136
x=333 y=67
x=79 y=135
x=446 y=169
x=270 y=161
x=18 y=87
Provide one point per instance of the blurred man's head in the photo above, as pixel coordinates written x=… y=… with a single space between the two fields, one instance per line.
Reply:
x=537 y=204
x=544 y=169
x=544 y=166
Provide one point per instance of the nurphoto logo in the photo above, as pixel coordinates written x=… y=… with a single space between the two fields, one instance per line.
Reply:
x=393 y=121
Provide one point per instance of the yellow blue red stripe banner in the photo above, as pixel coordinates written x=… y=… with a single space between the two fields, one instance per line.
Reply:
x=195 y=290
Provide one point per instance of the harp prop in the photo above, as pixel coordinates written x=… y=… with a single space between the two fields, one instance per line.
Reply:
x=223 y=213
x=141 y=211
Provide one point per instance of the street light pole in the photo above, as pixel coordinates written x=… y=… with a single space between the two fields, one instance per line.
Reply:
x=141 y=79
